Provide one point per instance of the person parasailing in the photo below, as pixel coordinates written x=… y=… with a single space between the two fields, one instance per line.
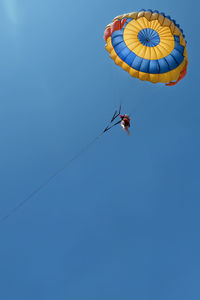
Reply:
x=125 y=121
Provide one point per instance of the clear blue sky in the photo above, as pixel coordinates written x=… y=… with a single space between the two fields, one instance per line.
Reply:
x=122 y=222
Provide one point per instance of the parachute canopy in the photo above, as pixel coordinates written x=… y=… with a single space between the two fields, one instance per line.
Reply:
x=148 y=45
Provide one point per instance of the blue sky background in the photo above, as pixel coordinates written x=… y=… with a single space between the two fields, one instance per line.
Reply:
x=122 y=222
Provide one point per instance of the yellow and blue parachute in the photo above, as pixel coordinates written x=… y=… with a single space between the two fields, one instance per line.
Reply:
x=148 y=45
